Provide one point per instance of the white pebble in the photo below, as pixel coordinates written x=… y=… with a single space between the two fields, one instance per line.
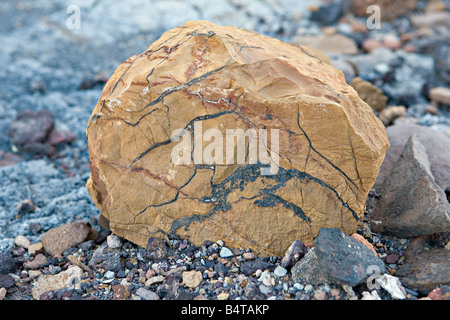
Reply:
x=22 y=241
x=280 y=271
x=114 y=241
x=226 y=253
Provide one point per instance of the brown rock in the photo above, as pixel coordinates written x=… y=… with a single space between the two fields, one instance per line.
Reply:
x=372 y=95
x=57 y=240
x=390 y=114
x=370 y=45
x=389 y=10
x=331 y=44
x=330 y=143
x=412 y=203
x=363 y=240
x=440 y=95
x=120 y=292
x=426 y=271
x=432 y=140
x=36 y=262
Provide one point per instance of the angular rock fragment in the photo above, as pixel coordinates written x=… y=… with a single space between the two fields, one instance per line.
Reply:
x=436 y=144
x=158 y=142
x=412 y=203
x=372 y=95
x=425 y=271
x=57 y=240
x=36 y=133
x=344 y=260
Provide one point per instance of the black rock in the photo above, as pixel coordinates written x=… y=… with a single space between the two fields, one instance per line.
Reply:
x=250 y=267
x=112 y=262
x=8 y=264
x=343 y=259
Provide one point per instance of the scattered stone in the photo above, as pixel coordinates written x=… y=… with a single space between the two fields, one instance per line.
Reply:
x=330 y=44
x=392 y=41
x=8 y=264
x=440 y=293
x=320 y=295
x=343 y=259
x=392 y=285
x=156 y=249
x=425 y=271
x=373 y=295
x=6 y=281
x=294 y=253
x=35 y=247
x=114 y=242
x=308 y=270
x=69 y=278
x=248 y=256
x=22 y=241
x=223 y=296
x=389 y=10
x=432 y=140
x=280 y=271
x=2 y=293
x=147 y=294
x=369 y=45
x=391 y=113
x=363 y=240
x=30 y=130
x=146 y=198
x=431 y=19
x=120 y=292
x=328 y=14
x=412 y=203
x=192 y=279
x=153 y=280
x=36 y=262
x=391 y=258
x=372 y=95
x=25 y=206
x=250 y=267
x=58 y=240
x=440 y=95
x=226 y=253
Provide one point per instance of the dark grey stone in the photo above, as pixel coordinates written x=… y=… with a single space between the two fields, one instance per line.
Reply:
x=8 y=264
x=344 y=260
x=250 y=267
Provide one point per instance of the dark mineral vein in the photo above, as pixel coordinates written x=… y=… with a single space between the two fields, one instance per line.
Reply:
x=311 y=147
x=247 y=174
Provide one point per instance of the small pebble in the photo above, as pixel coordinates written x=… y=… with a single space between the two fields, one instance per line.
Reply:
x=226 y=253
x=22 y=241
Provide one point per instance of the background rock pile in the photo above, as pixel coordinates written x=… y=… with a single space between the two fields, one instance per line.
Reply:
x=51 y=243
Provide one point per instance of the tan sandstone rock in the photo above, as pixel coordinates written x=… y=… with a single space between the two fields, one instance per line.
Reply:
x=206 y=79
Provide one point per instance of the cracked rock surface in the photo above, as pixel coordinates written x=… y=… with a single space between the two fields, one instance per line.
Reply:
x=331 y=145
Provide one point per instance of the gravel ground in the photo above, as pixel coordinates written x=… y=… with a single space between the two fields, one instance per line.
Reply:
x=47 y=66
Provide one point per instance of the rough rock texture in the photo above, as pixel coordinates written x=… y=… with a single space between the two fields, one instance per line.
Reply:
x=412 y=203
x=68 y=278
x=343 y=259
x=57 y=240
x=330 y=143
x=432 y=140
x=426 y=270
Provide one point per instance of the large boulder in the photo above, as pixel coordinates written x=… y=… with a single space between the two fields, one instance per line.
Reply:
x=167 y=155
